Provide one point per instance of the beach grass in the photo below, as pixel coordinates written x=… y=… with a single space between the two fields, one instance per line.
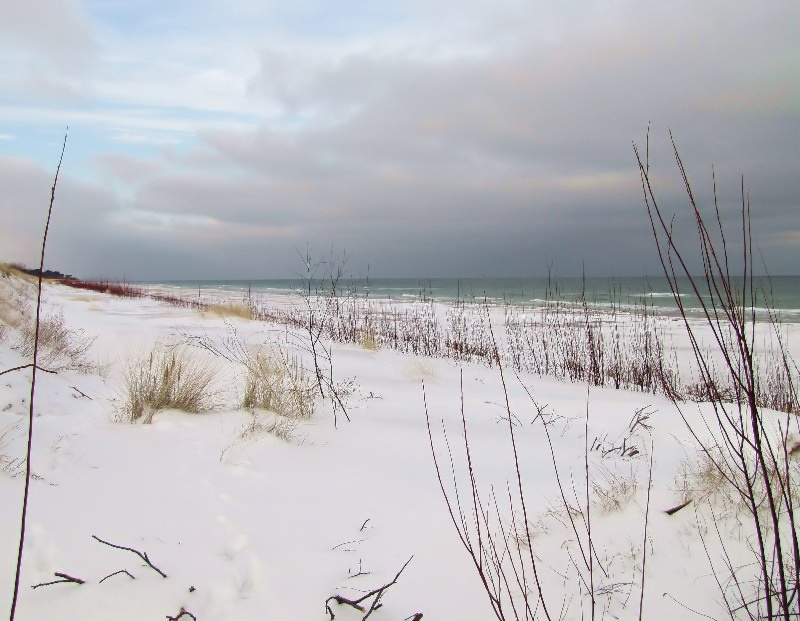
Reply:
x=277 y=383
x=167 y=378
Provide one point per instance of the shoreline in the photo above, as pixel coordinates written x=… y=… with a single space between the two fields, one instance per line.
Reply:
x=614 y=294
x=632 y=348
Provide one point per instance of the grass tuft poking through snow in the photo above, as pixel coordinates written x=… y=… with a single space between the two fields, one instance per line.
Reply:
x=275 y=424
x=278 y=384
x=169 y=377
x=615 y=490
x=8 y=464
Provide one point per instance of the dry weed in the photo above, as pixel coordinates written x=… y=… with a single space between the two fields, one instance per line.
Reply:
x=10 y=465
x=169 y=377
x=703 y=478
x=615 y=491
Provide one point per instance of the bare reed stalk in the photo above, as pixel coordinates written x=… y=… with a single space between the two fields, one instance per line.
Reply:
x=323 y=317
x=23 y=517
x=502 y=550
x=744 y=450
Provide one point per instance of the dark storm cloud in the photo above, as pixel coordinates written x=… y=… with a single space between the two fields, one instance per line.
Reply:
x=495 y=141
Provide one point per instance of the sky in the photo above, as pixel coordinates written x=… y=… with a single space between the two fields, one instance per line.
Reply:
x=227 y=139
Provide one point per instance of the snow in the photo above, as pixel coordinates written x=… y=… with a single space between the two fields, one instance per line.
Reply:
x=261 y=528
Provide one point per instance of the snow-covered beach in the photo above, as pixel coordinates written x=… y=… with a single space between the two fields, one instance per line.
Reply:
x=247 y=525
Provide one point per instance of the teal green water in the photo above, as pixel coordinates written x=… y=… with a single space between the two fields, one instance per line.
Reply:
x=779 y=292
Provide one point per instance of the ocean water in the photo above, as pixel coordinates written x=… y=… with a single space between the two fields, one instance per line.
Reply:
x=782 y=293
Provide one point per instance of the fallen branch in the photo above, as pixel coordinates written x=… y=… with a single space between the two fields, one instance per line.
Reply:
x=81 y=393
x=356 y=603
x=182 y=613
x=141 y=555
x=116 y=573
x=339 y=599
x=678 y=508
x=64 y=579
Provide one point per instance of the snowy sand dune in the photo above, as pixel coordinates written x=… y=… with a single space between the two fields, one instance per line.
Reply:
x=257 y=527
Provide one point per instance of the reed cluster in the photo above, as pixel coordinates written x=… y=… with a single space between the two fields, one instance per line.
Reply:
x=611 y=345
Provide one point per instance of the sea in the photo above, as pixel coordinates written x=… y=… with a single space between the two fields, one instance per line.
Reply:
x=780 y=294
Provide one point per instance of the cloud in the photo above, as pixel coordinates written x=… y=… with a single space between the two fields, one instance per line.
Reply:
x=47 y=48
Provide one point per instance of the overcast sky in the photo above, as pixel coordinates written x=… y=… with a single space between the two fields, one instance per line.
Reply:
x=216 y=138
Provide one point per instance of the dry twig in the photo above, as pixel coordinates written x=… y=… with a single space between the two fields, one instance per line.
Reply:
x=65 y=578
x=141 y=555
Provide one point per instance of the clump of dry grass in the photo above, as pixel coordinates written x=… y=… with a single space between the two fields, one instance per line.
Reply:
x=231 y=309
x=614 y=491
x=279 y=384
x=712 y=479
x=168 y=378
x=369 y=338
x=60 y=347
x=702 y=479
x=275 y=424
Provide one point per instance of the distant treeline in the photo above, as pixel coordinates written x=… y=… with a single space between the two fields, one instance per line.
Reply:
x=56 y=275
